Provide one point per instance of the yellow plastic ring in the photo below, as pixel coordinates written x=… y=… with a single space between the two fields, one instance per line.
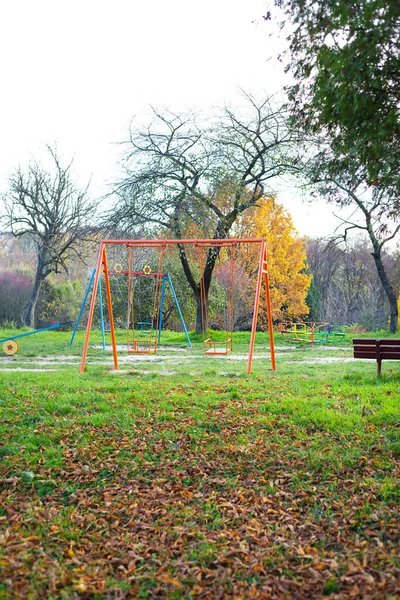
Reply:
x=118 y=268
x=147 y=270
x=11 y=347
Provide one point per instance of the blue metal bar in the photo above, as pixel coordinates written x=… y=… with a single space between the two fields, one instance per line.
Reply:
x=55 y=326
x=161 y=307
x=103 y=340
x=82 y=306
x=179 y=310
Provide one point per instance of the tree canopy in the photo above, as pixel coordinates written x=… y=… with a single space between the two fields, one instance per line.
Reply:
x=344 y=56
x=288 y=279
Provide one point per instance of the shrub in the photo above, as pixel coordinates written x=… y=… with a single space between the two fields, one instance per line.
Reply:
x=58 y=303
x=355 y=328
x=15 y=289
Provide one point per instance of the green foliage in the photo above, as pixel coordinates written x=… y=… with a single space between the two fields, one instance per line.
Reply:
x=345 y=58
x=313 y=302
x=58 y=302
x=15 y=289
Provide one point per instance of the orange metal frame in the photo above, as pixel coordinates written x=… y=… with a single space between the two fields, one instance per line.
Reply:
x=102 y=266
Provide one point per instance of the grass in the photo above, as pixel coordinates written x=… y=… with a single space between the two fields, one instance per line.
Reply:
x=182 y=477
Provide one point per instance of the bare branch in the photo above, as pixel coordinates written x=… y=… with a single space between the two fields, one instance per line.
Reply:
x=48 y=207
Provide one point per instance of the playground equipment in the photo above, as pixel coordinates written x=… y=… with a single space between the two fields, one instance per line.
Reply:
x=144 y=340
x=210 y=346
x=10 y=346
x=145 y=332
x=160 y=245
x=143 y=326
x=334 y=333
x=311 y=332
x=82 y=308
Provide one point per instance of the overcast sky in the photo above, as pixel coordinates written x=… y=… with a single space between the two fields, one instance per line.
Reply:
x=75 y=73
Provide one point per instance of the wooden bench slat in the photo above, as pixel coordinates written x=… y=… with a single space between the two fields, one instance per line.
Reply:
x=372 y=342
x=365 y=348
x=390 y=349
x=372 y=354
x=381 y=349
x=390 y=355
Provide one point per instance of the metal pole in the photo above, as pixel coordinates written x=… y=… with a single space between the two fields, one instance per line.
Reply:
x=256 y=307
x=82 y=307
x=269 y=311
x=103 y=340
x=179 y=310
x=110 y=311
x=55 y=326
x=161 y=307
x=92 y=304
x=202 y=242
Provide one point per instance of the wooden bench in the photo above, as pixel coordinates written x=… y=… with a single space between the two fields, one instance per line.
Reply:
x=385 y=349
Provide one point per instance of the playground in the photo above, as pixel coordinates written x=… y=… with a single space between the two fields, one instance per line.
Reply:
x=141 y=462
x=178 y=475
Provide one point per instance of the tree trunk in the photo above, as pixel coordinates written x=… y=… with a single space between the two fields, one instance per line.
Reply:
x=394 y=313
x=212 y=255
x=29 y=316
x=199 y=313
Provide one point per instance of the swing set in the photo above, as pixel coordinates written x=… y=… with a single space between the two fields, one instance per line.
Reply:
x=144 y=335
x=142 y=326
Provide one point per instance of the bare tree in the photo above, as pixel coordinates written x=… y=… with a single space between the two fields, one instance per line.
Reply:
x=49 y=208
x=349 y=286
x=184 y=176
x=368 y=206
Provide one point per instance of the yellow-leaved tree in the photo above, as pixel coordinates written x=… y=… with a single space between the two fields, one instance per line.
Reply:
x=289 y=281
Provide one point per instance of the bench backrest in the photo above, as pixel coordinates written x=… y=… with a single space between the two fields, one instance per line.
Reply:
x=383 y=349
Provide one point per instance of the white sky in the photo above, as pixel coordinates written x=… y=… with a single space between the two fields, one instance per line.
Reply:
x=75 y=73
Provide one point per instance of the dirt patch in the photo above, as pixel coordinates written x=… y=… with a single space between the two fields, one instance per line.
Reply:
x=22 y=369
x=323 y=360
x=122 y=348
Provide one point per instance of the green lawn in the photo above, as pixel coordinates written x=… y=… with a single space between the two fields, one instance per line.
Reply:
x=182 y=477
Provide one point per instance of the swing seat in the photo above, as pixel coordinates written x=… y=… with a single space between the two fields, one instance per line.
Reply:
x=218 y=348
x=142 y=347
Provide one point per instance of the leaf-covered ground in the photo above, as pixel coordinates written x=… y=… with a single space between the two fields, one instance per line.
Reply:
x=184 y=478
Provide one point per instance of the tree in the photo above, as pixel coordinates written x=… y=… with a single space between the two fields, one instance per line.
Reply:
x=373 y=211
x=349 y=286
x=344 y=56
x=181 y=175
x=323 y=260
x=289 y=280
x=49 y=208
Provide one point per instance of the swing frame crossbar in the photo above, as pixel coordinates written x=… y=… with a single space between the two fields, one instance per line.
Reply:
x=102 y=266
x=135 y=274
